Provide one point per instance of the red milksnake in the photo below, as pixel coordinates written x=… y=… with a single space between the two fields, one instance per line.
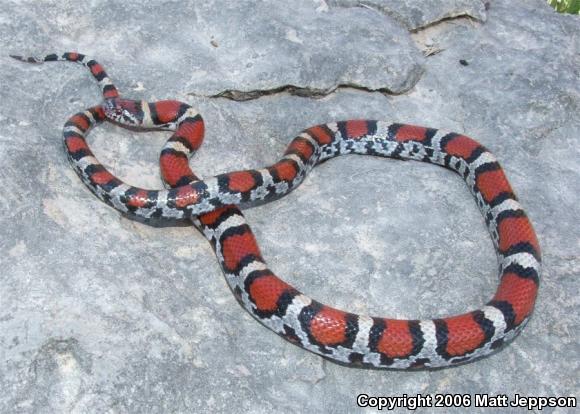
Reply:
x=211 y=204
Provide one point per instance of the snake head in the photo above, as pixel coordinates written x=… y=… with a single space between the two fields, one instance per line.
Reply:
x=124 y=111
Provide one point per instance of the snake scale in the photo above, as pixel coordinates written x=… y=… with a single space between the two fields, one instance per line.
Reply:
x=211 y=204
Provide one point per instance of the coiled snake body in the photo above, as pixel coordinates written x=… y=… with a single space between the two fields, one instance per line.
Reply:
x=211 y=204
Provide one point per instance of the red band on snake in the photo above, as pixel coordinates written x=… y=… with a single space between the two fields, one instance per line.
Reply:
x=211 y=204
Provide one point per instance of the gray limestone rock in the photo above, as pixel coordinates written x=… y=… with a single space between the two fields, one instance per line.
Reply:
x=101 y=313
x=231 y=48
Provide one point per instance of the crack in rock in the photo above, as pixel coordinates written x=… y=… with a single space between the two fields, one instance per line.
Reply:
x=428 y=38
x=447 y=19
x=416 y=17
x=302 y=91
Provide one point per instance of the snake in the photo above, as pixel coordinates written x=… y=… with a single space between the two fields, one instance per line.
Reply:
x=212 y=205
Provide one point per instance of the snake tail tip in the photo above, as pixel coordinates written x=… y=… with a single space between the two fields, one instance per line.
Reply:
x=26 y=59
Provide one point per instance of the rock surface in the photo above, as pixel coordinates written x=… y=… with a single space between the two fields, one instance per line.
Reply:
x=100 y=313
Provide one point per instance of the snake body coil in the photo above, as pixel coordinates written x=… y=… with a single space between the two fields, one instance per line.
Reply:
x=211 y=204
